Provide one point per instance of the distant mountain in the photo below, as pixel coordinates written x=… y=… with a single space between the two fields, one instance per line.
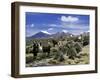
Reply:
x=43 y=34
x=61 y=34
x=85 y=34
x=39 y=35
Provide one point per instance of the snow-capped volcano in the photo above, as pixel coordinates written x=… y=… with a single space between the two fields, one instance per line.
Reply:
x=45 y=32
x=41 y=34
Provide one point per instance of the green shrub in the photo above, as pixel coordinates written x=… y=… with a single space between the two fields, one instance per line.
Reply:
x=63 y=49
x=29 y=50
x=29 y=58
x=78 y=47
x=85 y=40
x=71 y=52
x=61 y=57
x=41 y=56
x=53 y=51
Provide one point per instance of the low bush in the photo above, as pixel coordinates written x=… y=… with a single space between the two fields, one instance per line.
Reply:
x=29 y=58
x=78 y=47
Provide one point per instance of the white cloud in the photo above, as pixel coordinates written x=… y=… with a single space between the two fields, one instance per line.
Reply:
x=32 y=25
x=69 y=19
x=50 y=29
x=88 y=31
x=53 y=25
x=45 y=32
x=65 y=31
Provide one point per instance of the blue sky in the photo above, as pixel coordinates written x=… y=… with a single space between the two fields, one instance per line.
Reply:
x=51 y=23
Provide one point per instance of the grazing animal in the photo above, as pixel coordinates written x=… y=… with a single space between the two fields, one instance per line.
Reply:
x=35 y=49
x=46 y=49
x=38 y=47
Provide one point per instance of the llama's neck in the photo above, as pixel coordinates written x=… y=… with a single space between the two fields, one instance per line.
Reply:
x=40 y=47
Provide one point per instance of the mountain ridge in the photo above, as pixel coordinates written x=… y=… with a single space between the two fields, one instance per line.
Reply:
x=42 y=34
